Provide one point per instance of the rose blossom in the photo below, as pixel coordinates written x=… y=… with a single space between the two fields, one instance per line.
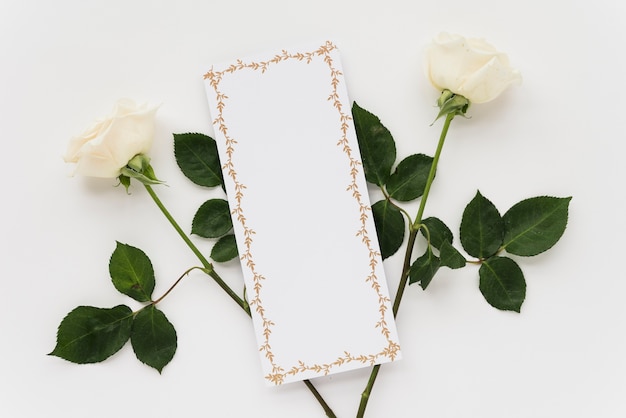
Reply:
x=469 y=67
x=104 y=149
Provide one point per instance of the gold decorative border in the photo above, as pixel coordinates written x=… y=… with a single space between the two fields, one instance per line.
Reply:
x=279 y=373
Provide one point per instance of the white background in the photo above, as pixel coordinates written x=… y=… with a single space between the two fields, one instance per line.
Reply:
x=64 y=63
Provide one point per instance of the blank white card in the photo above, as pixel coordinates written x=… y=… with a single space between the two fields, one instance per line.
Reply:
x=301 y=214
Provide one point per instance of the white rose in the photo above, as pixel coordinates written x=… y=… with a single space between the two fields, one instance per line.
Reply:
x=104 y=149
x=471 y=68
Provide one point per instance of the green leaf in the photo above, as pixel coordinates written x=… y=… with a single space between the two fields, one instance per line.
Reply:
x=437 y=230
x=450 y=256
x=225 y=249
x=153 y=338
x=378 y=149
x=389 y=227
x=534 y=225
x=91 y=335
x=198 y=159
x=441 y=238
x=502 y=283
x=212 y=220
x=482 y=228
x=424 y=268
x=409 y=179
x=131 y=272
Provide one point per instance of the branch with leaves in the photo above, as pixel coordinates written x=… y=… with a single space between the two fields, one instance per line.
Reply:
x=90 y=335
x=530 y=227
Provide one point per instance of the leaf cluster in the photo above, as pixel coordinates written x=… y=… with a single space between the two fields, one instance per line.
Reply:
x=90 y=335
x=530 y=227
x=197 y=157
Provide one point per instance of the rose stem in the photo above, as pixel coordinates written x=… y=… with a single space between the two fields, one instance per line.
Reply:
x=208 y=268
x=414 y=228
x=207 y=265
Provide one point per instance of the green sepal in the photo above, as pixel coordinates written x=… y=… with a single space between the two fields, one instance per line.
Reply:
x=124 y=181
x=445 y=96
x=482 y=229
x=212 y=220
x=534 y=225
x=131 y=272
x=153 y=338
x=139 y=168
x=197 y=157
x=149 y=173
x=91 y=335
x=390 y=227
x=424 y=268
x=450 y=103
x=225 y=249
x=409 y=178
x=139 y=163
x=141 y=177
x=377 y=146
x=502 y=283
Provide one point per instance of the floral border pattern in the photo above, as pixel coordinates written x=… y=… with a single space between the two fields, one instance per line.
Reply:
x=278 y=373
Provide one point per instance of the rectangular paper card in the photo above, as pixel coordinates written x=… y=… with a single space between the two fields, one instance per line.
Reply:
x=301 y=214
